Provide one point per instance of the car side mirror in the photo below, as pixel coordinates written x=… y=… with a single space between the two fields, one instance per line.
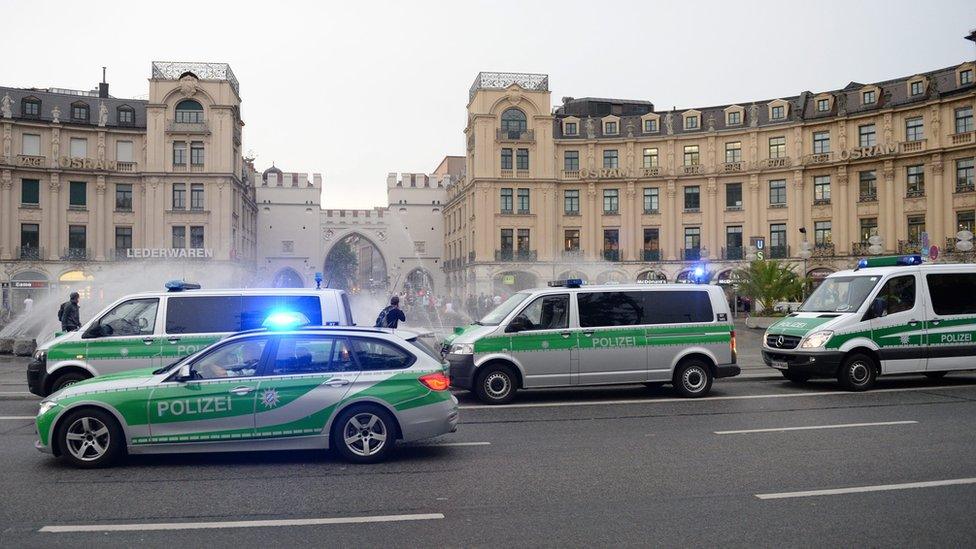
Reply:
x=517 y=324
x=876 y=309
x=93 y=332
x=185 y=374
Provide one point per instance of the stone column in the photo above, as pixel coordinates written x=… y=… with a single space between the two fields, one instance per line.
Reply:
x=886 y=207
x=794 y=206
x=9 y=212
x=711 y=221
x=592 y=229
x=842 y=214
x=55 y=209
x=101 y=206
x=943 y=221
x=628 y=229
x=752 y=207
x=669 y=249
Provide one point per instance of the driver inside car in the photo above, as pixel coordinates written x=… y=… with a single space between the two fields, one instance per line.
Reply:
x=233 y=366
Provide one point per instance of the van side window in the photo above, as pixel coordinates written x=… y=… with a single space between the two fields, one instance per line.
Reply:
x=257 y=308
x=610 y=308
x=677 y=307
x=953 y=293
x=131 y=318
x=550 y=312
x=203 y=314
x=897 y=295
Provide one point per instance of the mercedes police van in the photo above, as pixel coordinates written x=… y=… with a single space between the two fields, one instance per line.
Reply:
x=572 y=335
x=890 y=315
x=149 y=330
x=355 y=390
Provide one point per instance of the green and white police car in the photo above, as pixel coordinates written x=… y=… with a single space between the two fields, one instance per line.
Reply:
x=148 y=330
x=573 y=335
x=357 y=390
x=890 y=315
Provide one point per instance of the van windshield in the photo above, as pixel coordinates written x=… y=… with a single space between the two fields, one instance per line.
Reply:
x=499 y=313
x=842 y=294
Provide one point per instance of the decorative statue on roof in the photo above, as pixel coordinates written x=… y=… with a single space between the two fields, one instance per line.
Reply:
x=5 y=106
x=590 y=129
x=669 y=123
x=754 y=115
x=102 y=114
x=56 y=115
x=711 y=122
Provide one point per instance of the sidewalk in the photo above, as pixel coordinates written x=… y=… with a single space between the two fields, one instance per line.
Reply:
x=13 y=378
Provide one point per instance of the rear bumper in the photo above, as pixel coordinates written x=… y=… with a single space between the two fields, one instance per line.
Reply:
x=727 y=370
x=430 y=421
x=37 y=377
x=461 y=371
x=821 y=364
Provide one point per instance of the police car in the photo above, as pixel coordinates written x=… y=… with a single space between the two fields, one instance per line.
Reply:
x=569 y=334
x=890 y=315
x=357 y=390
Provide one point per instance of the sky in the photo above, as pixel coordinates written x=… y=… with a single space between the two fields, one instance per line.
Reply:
x=355 y=90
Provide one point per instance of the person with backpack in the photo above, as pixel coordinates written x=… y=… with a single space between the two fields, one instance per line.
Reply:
x=391 y=315
x=70 y=314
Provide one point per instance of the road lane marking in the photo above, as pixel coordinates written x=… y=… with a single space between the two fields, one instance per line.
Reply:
x=652 y=400
x=136 y=527
x=862 y=489
x=13 y=418
x=811 y=427
x=440 y=444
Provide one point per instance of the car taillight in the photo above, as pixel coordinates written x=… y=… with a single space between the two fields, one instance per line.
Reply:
x=732 y=345
x=436 y=382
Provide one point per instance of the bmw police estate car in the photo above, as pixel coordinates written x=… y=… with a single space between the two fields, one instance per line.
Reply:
x=890 y=315
x=356 y=390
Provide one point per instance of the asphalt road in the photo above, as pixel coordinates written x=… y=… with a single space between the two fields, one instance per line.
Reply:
x=625 y=467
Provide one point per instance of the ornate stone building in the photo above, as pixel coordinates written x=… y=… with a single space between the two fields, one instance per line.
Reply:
x=616 y=190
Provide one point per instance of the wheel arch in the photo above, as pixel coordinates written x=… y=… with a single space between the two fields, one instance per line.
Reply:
x=56 y=424
x=700 y=353
x=365 y=401
x=66 y=366
x=505 y=361
x=864 y=350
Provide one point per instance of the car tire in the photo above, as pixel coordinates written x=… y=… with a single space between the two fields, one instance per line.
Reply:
x=364 y=434
x=935 y=375
x=66 y=379
x=495 y=384
x=795 y=377
x=858 y=373
x=89 y=438
x=693 y=378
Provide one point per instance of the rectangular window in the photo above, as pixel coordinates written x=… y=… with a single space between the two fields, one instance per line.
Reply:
x=777 y=191
x=868 y=97
x=733 y=151
x=196 y=153
x=127 y=117
x=651 y=199
x=966 y=221
x=179 y=153
x=691 y=155
x=79 y=147
x=611 y=201
x=821 y=142
x=868 y=186
x=821 y=189
x=916 y=226
x=916 y=180
x=821 y=233
x=77 y=237
x=30 y=109
x=866 y=135
x=650 y=126
x=572 y=240
x=652 y=244
x=823 y=105
x=196 y=196
x=692 y=243
x=733 y=195
x=506 y=201
x=179 y=196
x=610 y=160
x=79 y=113
x=611 y=244
x=966 y=77
x=597 y=309
x=650 y=158
x=733 y=242
x=523 y=240
x=30 y=144
x=179 y=237
x=123 y=197
x=778 y=113
x=30 y=192
x=123 y=238
x=123 y=151
x=571 y=128
x=30 y=240
x=571 y=161
x=196 y=237
x=952 y=293
x=777 y=147
x=78 y=194
x=522 y=159
x=507 y=159
x=692 y=197
x=610 y=128
x=691 y=122
x=508 y=241
x=914 y=129
x=571 y=202
x=869 y=228
x=964 y=120
x=964 y=175
x=734 y=118
x=915 y=88
x=777 y=241
x=523 y=201
x=203 y=314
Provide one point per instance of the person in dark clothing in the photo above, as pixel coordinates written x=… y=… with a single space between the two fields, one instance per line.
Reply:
x=70 y=314
x=391 y=316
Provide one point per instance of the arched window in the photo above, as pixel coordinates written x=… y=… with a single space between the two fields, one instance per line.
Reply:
x=127 y=116
x=513 y=120
x=30 y=107
x=79 y=111
x=189 y=111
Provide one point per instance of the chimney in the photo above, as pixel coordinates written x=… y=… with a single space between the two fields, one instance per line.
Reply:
x=103 y=86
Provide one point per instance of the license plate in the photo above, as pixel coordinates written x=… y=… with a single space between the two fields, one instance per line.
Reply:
x=779 y=365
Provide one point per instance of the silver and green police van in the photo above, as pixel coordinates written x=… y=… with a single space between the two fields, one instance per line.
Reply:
x=148 y=330
x=570 y=335
x=890 y=315
x=356 y=390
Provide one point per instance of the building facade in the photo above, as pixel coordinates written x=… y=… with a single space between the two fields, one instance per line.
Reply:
x=615 y=190
x=88 y=180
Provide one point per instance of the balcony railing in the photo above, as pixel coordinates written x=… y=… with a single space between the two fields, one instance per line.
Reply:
x=651 y=172
x=732 y=167
x=571 y=174
x=522 y=174
x=818 y=158
x=515 y=135
x=860 y=248
x=732 y=252
x=610 y=255
x=868 y=197
x=691 y=254
x=651 y=211
x=31 y=161
x=915 y=193
x=651 y=255
x=779 y=252
x=572 y=254
x=773 y=163
x=695 y=169
x=824 y=249
x=965 y=186
x=76 y=254
x=507 y=174
x=120 y=254
x=821 y=201
x=173 y=126
x=913 y=146
x=127 y=167
x=515 y=255
x=909 y=247
x=962 y=138
x=30 y=253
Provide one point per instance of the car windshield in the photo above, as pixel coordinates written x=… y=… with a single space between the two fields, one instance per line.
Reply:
x=842 y=294
x=500 y=312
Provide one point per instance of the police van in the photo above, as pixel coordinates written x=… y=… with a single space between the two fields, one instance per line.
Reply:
x=570 y=335
x=890 y=315
x=149 y=330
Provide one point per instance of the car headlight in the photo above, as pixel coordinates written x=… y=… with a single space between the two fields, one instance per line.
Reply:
x=46 y=407
x=462 y=349
x=816 y=339
x=40 y=355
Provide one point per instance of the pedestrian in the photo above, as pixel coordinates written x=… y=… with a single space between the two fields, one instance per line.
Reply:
x=28 y=304
x=391 y=315
x=70 y=314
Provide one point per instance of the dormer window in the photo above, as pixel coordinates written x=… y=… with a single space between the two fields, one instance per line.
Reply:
x=126 y=115
x=571 y=128
x=189 y=111
x=610 y=128
x=650 y=123
x=30 y=107
x=869 y=97
x=965 y=77
x=733 y=118
x=778 y=113
x=79 y=112
x=915 y=88
x=691 y=123
x=823 y=105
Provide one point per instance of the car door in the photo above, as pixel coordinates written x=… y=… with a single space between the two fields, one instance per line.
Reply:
x=612 y=340
x=306 y=378
x=218 y=403
x=125 y=337
x=951 y=321
x=542 y=341
x=898 y=325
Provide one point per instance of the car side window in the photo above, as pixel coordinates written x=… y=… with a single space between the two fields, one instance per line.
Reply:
x=237 y=359
x=131 y=318
x=550 y=312
x=374 y=354
x=203 y=314
x=897 y=295
x=307 y=355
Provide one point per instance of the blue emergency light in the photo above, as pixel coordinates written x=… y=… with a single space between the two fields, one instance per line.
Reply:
x=181 y=285
x=285 y=320
x=890 y=261
x=567 y=283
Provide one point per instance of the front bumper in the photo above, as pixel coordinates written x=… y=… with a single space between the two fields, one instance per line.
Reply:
x=819 y=364
x=37 y=377
x=461 y=371
x=727 y=370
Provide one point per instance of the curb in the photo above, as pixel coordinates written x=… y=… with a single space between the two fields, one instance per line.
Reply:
x=18 y=396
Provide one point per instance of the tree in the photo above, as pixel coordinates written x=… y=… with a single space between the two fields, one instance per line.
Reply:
x=767 y=282
x=340 y=266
